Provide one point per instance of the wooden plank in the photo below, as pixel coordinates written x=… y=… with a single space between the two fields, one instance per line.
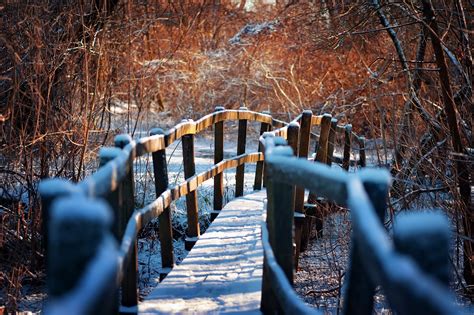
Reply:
x=192 y=232
x=160 y=170
x=221 y=274
x=241 y=143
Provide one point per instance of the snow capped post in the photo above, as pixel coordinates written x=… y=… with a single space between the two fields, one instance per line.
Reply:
x=359 y=291
x=346 y=161
x=129 y=283
x=114 y=198
x=193 y=232
x=160 y=170
x=264 y=127
x=241 y=141
x=50 y=190
x=424 y=236
x=77 y=228
x=280 y=217
x=218 y=157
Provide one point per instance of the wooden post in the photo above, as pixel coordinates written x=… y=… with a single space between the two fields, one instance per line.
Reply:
x=193 y=232
x=241 y=141
x=218 y=157
x=280 y=230
x=130 y=279
x=77 y=227
x=264 y=127
x=50 y=190
x=346 y=161
x=331 y=141
x=362 y=152
x=303 y=150
x=160 y=170
x=424 y=236
x=114 y=198
x=293 y=134
x=321 y=157
x=359 y=294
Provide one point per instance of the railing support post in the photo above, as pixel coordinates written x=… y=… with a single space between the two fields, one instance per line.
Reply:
x=346 y=161
x=50 y=190
x=303 y=150
x=331 y=141
x=114 y=197
x=130 y=279
x=359 y=291
x=241 y=142
x=321 y=157
x=193 y=232
x=293 y=135
x=362 y=151
x=78 y=229
x=160 y=170
x=280 y=230
x=218 y=157
x=264 y=127
x=425 y=238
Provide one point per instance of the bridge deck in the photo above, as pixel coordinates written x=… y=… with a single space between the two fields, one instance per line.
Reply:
x=223 y=271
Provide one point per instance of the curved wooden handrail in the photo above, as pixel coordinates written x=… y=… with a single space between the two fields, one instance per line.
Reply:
x=408 y=288
x=116 y=173
x=153 y=210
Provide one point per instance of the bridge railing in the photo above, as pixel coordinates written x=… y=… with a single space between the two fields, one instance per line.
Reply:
x=412 y=269
x=114 y=181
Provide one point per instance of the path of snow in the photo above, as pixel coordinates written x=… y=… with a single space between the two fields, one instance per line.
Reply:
x=223 y=272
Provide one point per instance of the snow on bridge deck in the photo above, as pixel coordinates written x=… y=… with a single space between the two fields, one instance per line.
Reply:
x=223 y=271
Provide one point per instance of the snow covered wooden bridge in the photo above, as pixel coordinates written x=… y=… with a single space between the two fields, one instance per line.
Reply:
x=246 y=259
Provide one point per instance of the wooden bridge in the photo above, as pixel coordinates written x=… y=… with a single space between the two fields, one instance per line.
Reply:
x=246 y=260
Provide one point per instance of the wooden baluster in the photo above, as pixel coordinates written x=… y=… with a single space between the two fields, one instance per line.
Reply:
x=362 y=152
x=241 y=141
x=346 y=161
x=160 y=170
x=130 y=279
x=264 y=127
x=424 y=236
x=114 y=198
x=51 y=189
x=331 y=141
x=78 y=229
x=280 y=230
x=303 y=149
x=270 y=127
x=314 y=206
x=359 y=294
x=218 y=157
x=193 y=232
x=293 y=133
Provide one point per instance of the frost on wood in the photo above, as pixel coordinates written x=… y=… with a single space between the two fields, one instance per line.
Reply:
x=76 y=227
x=100 y=272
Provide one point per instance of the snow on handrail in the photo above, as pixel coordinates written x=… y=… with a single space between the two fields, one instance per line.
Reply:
x=374 y=259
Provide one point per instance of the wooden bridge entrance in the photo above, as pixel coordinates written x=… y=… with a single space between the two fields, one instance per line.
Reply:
x=246 y=260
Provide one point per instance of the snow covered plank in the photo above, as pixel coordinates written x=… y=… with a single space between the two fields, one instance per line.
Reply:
x=223 y=271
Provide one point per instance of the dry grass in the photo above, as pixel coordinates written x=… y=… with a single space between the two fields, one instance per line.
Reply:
x=66 y=67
